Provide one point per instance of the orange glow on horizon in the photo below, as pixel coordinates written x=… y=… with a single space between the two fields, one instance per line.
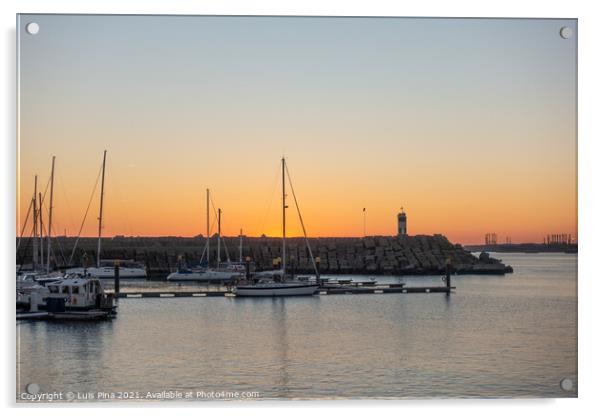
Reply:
x=462 y=214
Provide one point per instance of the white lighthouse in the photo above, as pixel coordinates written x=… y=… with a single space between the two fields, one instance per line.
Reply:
x=402 y=223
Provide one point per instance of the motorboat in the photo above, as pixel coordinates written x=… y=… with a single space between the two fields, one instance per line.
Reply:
x=71 y=293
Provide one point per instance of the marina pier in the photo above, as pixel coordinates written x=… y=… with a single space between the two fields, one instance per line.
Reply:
x=329 y=286
x=221 y=291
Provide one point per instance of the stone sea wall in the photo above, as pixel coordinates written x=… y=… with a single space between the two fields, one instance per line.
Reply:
x=406 y=255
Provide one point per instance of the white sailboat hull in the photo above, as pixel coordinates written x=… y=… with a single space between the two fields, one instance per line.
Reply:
x=203 y=276
x=276 y=289
x=269 y=273
x=109 y=272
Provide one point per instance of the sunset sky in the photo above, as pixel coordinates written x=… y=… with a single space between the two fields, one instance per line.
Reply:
x=470 y=125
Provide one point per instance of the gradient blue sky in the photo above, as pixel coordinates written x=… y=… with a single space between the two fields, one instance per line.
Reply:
x=470 y=124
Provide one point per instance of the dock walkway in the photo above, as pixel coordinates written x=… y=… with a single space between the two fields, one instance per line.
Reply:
x=226 y=291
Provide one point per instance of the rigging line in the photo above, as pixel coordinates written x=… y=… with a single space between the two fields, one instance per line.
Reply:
x=61 y=251
x=52 y=251
x=214 y=217
x=64 y=191
x=25 y=224
x=269 y=201
x=313 y=261
x=213 y=205
x=120 y=201
x=58 y=242
x=226 y=248
x=55 y=237
x=124 y=210
x=214 y=213
x=25 y=250
x=223 y=241
x=205 y=251
x=45 y=189
x=203 y=255
x=85 y=216
x=28 y=212
x=42 y=198
x=208 y=237
x=43 y=229
x=212 y=225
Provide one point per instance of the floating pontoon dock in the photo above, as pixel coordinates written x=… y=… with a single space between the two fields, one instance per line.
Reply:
x=226 y=291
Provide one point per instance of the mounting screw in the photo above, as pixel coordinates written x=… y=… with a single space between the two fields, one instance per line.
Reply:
x=566 y=384
x=566 y=32
x=32 y=388
x=32 y=28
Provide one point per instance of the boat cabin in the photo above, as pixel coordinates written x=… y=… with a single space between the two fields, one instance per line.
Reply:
x=80 y=293
x=122 y=264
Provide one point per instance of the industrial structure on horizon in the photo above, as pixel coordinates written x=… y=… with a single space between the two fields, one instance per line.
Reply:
x=491 y=239
x=550 y=239
x=558 y=239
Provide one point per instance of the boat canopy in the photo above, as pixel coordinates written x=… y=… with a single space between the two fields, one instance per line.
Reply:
x=74 y=286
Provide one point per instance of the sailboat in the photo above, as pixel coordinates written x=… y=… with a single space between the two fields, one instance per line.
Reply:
x=220 y=273
x=105 y=269
x=280 y=284
x=40 y=272
x=75 y=291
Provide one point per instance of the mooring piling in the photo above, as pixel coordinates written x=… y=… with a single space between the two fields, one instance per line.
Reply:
x=248 y=267
x=448 y=274
x=117 y=278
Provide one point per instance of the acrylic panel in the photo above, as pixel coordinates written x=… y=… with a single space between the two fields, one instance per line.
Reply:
x=262 y=207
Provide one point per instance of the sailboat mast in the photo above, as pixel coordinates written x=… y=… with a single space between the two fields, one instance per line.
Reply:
x=102 y=194
x=41 y=231
x=283 y=218
x=240 y=247
x=208 y=225
x=311 y=255
x=35 y=222
x=219 y=235
x=50 y=217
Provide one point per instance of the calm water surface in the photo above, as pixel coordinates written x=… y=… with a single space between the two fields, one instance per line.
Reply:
x=496 y=336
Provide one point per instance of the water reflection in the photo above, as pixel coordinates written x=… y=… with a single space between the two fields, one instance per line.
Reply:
x=495 y=336
x=280 y=341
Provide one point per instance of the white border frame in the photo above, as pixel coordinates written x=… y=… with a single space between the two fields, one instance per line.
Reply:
x=590 y=283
